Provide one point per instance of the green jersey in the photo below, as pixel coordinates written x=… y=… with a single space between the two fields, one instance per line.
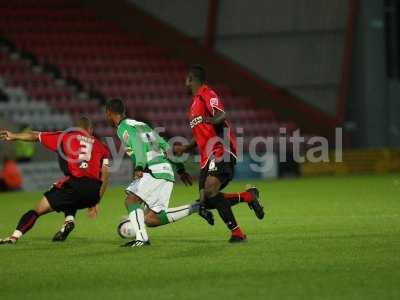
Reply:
x=146 y=148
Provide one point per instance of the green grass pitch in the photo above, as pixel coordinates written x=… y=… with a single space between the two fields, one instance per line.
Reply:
x=322 y=238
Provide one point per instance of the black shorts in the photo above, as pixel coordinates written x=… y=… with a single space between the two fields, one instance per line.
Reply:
x=74 y=194
x=223 y=170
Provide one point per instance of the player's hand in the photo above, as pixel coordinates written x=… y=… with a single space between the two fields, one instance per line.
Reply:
x=178 y=150
x=137 y=174
x=186 y=178
x=92 y=212
x=207 y=120
x=6 y=135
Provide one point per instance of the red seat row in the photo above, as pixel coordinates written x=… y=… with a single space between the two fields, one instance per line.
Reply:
x=105 y=59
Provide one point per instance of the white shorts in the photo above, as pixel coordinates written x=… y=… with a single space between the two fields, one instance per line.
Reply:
x=154 y=192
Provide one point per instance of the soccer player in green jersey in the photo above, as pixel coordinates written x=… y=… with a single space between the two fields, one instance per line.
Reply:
x=153 y=175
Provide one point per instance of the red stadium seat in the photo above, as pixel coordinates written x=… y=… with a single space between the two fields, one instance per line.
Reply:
x=105 y=59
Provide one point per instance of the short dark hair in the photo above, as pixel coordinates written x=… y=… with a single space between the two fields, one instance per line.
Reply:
x=198 y=72
x=84 y=123
x=116 y=105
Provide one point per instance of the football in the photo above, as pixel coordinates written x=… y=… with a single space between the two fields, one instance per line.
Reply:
x=125 y=229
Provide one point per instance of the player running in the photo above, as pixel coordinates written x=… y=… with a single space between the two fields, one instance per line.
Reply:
x=153 y=175
x=217 y=160
x=84 y=160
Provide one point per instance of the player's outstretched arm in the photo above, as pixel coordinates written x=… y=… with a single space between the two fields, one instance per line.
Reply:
x=180 y=169
x=92 y=212
x=104 y=178
x=186 y=178
x=178 y=150
x=6 y=135
x=218 y=118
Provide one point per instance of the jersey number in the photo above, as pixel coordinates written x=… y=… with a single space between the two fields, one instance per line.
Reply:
x=85 y=154
x=151 y=139
x=148 y=137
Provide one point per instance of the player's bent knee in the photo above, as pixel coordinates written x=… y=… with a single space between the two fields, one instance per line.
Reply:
x=133 y=198
x=152 y=223
x=43 y=207
x=152 y=220
x=210 y=192
x=211 y=187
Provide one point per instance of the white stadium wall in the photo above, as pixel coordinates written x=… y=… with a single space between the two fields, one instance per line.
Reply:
x=188 y=16
x=296 y=44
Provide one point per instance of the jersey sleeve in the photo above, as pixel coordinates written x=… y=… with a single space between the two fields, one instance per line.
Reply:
x=213 y=103
x=50 y=140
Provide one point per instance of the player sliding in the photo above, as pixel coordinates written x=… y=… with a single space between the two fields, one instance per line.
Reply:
x=208 y=122
x=84 y=161
x=153 y=175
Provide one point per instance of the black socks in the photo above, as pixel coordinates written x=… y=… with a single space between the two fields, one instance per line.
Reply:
x=27 y=221
x=224 y=209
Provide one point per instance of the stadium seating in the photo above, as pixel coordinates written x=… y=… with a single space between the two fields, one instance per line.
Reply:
x=102 y=58
x=21 y=86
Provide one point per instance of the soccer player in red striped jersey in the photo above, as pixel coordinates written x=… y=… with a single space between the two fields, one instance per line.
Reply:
x=209 y=124
x=84 y=160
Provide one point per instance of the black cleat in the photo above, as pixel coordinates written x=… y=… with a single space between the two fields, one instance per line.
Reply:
x=136 y=243
x=237 y=239
x=255 y=204
x=8 y=241
x=206 y=215
x=62 y=235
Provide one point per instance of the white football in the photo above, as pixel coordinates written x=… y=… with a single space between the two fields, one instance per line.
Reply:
x=126 y=230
